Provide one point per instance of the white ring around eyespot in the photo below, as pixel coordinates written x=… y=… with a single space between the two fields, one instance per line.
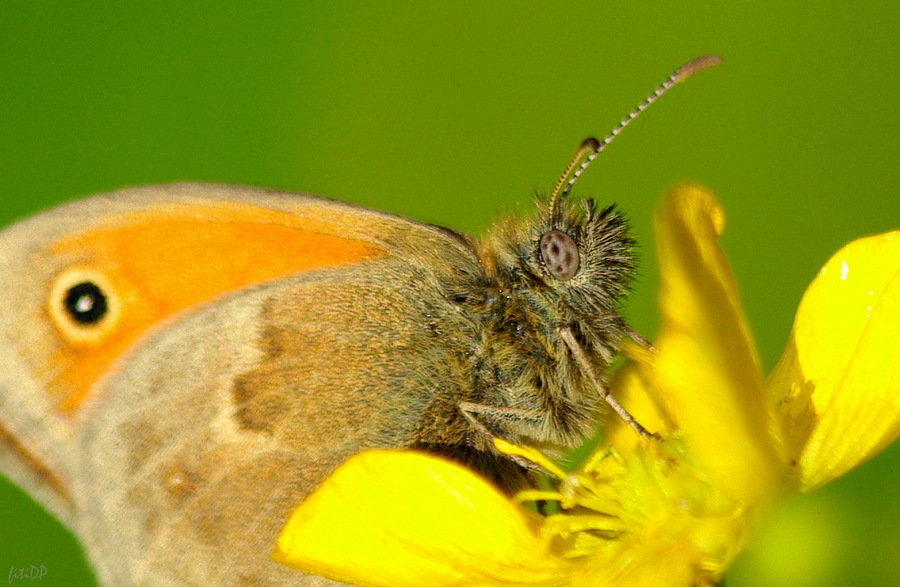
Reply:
x=71 y=330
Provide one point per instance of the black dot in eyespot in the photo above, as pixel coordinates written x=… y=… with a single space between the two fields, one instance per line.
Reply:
x=86 y=303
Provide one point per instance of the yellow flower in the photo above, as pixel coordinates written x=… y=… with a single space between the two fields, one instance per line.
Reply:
x=673 y=511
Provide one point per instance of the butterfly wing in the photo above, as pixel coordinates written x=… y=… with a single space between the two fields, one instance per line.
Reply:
x=249 y=341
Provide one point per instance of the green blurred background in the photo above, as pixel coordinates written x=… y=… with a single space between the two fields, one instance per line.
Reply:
x=451 y=113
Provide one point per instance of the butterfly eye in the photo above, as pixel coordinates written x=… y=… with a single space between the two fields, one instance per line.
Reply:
x=82 y=305
x=560 y=254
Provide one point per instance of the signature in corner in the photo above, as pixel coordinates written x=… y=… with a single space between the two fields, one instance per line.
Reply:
x=32 y=572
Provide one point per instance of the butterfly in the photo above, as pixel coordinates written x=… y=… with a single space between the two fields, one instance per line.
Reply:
x=180 y=365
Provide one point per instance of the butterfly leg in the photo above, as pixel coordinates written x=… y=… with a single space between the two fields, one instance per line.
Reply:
x=588 y=369
x=471 y=411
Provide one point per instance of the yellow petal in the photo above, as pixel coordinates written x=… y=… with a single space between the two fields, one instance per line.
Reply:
x=392 y=518
x=706 y=365
x=839 y=377
x=630 y=387
x=672 y=558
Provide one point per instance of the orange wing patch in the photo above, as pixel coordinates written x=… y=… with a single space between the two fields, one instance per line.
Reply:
x=164 y=261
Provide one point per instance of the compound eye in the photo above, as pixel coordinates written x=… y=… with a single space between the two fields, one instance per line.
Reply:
x=83 y=305
x=560 y=254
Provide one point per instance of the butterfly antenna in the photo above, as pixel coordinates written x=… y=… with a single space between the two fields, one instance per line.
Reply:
x=591 y=147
